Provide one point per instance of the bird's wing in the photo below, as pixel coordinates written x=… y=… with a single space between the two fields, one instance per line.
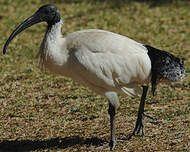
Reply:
x=109 y=60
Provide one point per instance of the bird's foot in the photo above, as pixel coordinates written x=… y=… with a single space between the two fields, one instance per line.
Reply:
x=140 y=125
x=103 y=146
x=155 y=122
x=111 y=145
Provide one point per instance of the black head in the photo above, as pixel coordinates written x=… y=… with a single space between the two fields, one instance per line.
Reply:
x=47 y=13
x=165 y=66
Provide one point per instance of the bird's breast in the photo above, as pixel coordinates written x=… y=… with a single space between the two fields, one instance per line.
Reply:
x=54 y=58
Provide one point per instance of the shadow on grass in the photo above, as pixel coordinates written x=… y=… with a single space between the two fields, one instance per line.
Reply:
x=60 y=143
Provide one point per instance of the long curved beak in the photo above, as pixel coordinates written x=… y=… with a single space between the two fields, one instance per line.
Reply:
x=34 y=19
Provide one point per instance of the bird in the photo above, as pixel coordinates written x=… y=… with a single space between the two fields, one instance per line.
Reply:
x=110 y=64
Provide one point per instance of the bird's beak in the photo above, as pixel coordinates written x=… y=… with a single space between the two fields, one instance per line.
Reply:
x=34 y=19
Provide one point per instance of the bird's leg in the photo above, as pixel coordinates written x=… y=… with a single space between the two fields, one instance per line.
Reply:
x=111 y=111
x=113 y=106
x=113 y=141
x=140 y=117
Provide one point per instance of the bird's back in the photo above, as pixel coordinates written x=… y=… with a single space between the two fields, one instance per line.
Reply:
x=105 y=41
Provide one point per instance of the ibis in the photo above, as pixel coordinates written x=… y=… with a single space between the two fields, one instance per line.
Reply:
x=108 y=63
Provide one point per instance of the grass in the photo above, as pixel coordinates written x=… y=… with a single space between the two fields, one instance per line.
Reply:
x=43 y=112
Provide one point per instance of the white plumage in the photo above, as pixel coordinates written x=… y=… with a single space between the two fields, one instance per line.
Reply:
x=102 y=60
x=108 y=63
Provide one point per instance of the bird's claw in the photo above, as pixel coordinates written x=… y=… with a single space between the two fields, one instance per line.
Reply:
x=140 y=125
x=111 y=144
x=155 y=122
x=104 y=145
x=148 y=116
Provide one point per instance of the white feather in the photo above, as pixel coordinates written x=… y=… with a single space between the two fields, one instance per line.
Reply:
x=102 y=60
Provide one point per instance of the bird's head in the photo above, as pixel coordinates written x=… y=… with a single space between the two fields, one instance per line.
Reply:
x=169 y=67
x=47 y=13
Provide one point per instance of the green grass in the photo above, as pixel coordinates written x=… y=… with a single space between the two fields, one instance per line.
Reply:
x=44 y=112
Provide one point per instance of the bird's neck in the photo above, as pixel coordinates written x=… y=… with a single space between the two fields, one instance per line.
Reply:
x=52 y=50
x=53 y=32
x=157 y=58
